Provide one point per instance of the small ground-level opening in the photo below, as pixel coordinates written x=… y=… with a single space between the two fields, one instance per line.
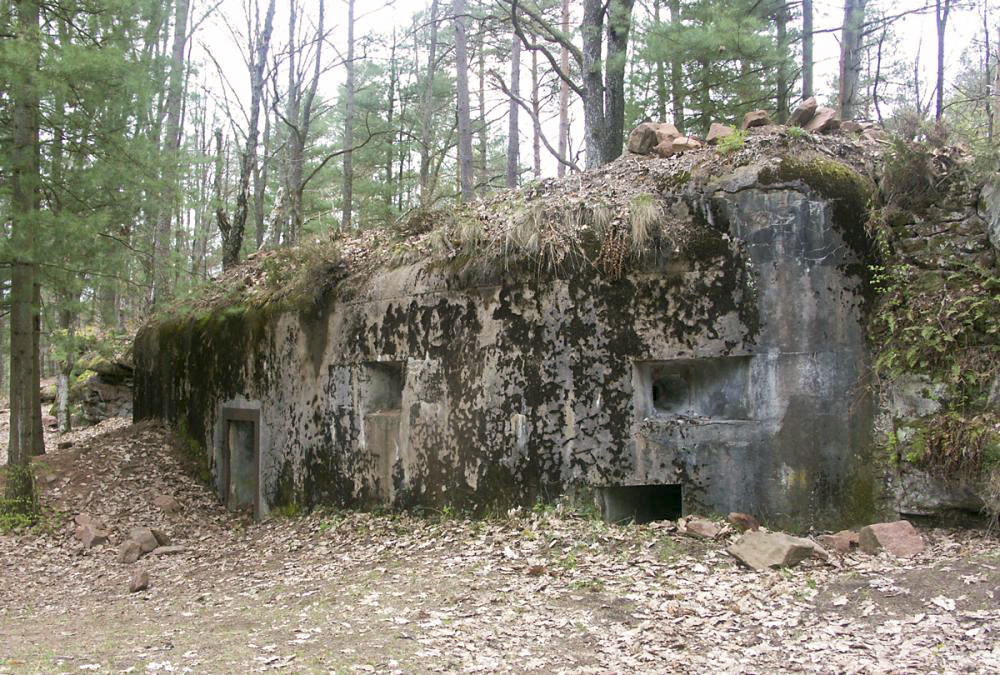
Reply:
x=640 y=503
x=241 y=458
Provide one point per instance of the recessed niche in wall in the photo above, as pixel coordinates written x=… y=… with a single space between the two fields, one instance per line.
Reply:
x=241 y=457
x=715 y=387
x=383 y=382
x=640 y=503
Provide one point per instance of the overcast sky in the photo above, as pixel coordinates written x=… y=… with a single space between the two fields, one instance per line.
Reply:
x=917 y=35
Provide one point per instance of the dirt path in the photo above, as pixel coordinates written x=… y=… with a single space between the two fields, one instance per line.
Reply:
x=534 y=592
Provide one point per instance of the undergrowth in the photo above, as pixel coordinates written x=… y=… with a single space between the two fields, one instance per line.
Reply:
x=941 y=321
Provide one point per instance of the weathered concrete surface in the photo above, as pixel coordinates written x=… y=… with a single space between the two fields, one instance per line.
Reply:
x=731 y=370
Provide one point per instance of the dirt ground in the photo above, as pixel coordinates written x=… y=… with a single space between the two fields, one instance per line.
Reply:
x=543 y=591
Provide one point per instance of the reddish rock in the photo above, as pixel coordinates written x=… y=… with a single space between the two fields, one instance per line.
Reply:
x=743 y=521
x=717 y=131
x=144 y=537
x=139 y=581
x=755 y=118
x=898 y=538
x=167 y=503
x=49 y=421
x=825 y=119
x=803 y=112
x=642 y=140
x=90 y=535
x=762 y=550
x=682 y=143
x=701 y=528
x=844 y=541
x=129 y=552
x=167 y=550
x=851 y=127
x=666 y=131
x=665 y=149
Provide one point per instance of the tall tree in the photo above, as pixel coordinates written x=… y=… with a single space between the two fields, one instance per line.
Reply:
x=232 y=230
x=427 y=110
x=851 y=37
x=465 y=175
x=513 y=133
x=941 y=10
x=807 y=48
x=564 y=91
x=25 y=182
x=602 y=90
x=348 y=193
x=168 y=206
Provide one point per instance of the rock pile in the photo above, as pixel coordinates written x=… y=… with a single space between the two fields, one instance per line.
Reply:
x=664 y=140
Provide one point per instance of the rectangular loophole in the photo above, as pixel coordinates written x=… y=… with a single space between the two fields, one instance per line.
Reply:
x=383 y=382
x=715 y=388
x=640 y=503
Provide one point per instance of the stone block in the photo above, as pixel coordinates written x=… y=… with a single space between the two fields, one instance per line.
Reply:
x=642 y=140
x=898 y=538
x=763 y=550
x=803 y=112
x=139 y=581
x=718 y=131
x=756 y=118
x=844 y=541
x=129 y=552
x=144 y=537
x=825 y=119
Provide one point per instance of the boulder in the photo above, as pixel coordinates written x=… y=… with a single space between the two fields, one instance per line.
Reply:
x=161 y=537
x=90 y=535
x=129 y=552
x=665 y=149
x=743 y=521
x=167 y=503
x=167 y=550
x=139 y=581
x=666 y=131
x=844 y=541
x=682 y=143
x=803 y=112
x=762 y=550
x=825 y=119
x=144 y=537
x=989 y=210
x=643 y=139
x=898 y=538
x=756 y=118
x=701 y=528
x=851 y=127
x=717 y=131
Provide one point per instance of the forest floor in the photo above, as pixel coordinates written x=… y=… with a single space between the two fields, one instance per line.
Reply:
x=543 y=591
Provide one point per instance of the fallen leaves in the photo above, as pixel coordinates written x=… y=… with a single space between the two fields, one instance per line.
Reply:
x=544 y=591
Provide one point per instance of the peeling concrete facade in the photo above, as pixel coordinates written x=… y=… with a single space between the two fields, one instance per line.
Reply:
x=733 y=371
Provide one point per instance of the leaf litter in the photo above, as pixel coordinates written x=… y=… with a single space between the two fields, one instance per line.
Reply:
x=546 y=590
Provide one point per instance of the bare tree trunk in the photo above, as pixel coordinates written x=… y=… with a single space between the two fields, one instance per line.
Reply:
x=661 y=74
x=427 y=111
x=348 y=191
x=484 y=178
x=24 y=203
x=850 y=57
x=171 y=147
x=941 y=10
x=676 y=72
x=536 y=124
x=564 y=94
x=260 y=176
x=513 y=134
x=807 y=48
x=390 y=111
x=781 y=78
x=232 y=232
x=65 y=370
x=465 y=177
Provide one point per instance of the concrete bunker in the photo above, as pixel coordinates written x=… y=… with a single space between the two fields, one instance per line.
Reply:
x=714 y=368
